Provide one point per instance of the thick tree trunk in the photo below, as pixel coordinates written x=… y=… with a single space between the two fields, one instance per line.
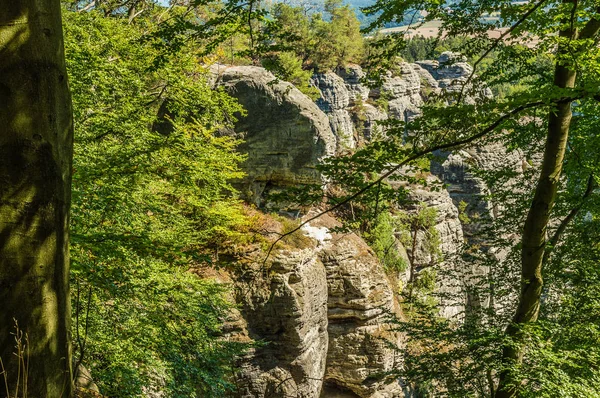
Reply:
x=35 y=182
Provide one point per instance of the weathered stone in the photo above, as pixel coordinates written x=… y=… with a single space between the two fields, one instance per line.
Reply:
x=360 y=296
x=450 y=276
x=353 y=76
x=452 y=72
x=470 y=193
x=288 y=310
x=334 y=101
x=334 y=94
x=343 y=128
x=402 y=92
x=285 y=134
x=367 y=120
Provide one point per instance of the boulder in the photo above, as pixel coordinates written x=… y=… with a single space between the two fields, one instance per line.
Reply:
x=284 y=132
x=286 y=308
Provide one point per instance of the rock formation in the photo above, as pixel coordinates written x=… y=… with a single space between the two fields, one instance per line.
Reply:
x=285 y=134
x=321 y=312
x=287 y=309
x=320 y=309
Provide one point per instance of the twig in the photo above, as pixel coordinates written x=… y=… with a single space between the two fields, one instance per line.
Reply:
x=415 y=156
x=496 y=44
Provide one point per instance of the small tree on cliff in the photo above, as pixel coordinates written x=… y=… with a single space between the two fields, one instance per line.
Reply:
x=35 y=188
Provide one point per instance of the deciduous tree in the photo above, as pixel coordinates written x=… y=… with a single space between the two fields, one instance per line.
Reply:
x=35 y=188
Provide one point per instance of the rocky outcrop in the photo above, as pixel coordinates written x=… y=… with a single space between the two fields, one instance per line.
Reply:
x=367 y=118
x=471 y=194
x=360 y=297
x=321 y=310
x=447 y=222
x=286 y=307
x=354 y=108
x=353 y=77
x=452 y=72
x=401 y=92
x=467 y=190
x=444 y=259
x=284 y=133
x=334 y=101
x=321 y=313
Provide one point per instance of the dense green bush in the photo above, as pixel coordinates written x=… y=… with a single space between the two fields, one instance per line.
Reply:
x=148 y=207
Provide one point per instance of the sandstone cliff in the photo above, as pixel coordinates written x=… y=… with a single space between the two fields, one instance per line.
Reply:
x=321 y=309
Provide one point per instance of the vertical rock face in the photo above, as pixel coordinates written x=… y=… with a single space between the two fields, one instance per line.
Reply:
x=334 y=101
x=360 y=297
x=450 y=277
x=285 y=134
x=287 y=310
x=457 y=172
x=353 y=76
x=402 y=91
x=447 y=223
x=470 y=193
x=366 y=118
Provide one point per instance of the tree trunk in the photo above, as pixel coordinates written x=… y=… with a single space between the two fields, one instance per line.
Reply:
x=35 y=182
x=533 y=241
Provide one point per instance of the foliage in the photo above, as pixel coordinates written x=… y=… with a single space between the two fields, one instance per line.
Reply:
x=338 y=42
x=148 y=206
x=500 y=346
x=462 y=212
x=381 y=238
x=287 y=66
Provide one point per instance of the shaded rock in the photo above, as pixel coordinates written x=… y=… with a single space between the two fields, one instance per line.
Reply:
x=450 y=275
x=83 y=379
x=287 y=310
x=470 y=193
x=334 y=95
x=456 y=170
x=285 y=134
x=343 y=128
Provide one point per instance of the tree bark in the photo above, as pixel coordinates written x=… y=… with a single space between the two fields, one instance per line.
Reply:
x=36 y=139
x=533 y=241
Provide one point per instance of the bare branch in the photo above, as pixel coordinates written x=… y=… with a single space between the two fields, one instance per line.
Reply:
x=415 y=156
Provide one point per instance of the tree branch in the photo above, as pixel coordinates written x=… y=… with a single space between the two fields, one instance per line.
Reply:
x=565 y=222
x=415 y=156
x=496 y=44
